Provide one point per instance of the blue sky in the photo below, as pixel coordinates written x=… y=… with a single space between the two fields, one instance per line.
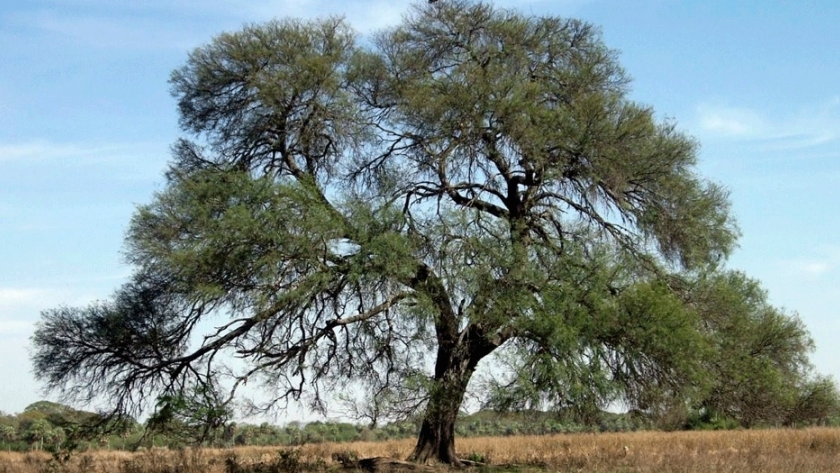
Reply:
x=86 y=121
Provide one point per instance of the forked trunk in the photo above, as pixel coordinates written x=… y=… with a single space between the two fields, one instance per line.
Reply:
x=458 y=354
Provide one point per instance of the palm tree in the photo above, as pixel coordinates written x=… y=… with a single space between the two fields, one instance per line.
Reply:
x=9 y=435
x=56 y=436
x=38 y=429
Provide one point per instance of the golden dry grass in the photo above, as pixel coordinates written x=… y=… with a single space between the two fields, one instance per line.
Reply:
x=766 y=451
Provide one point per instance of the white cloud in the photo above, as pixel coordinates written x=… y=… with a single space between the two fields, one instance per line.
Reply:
x=825 y=262
x=14 y=298
x=113 y=30
x=133 y=160
x=15 y=327
x=20 y=303
x=42 y=150
x=817 y=268
x=182 y=25
x=731 y=121
x=810 y=126
x=19 y=307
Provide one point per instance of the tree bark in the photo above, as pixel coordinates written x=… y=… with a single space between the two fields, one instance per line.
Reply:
x=436 y=441
x=456 y=361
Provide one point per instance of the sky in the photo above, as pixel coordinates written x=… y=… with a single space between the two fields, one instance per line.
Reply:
x=86 y=121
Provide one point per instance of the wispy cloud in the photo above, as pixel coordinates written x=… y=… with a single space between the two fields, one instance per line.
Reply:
x=16 y=302
x=19 y=308
x=731 y=121
x=21 y=305
x=811 y=126
x=142 y=159
x=13 y=298
x=113 y=31
x=46 y=151
x=183 y=25
x=825 y=262
x=15 y=327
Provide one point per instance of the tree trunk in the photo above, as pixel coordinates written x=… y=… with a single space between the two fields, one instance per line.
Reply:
x=454 y=367
x=436 y=441
x=458 y=354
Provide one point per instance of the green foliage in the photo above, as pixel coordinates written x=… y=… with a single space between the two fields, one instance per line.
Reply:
x=477 y=457
x=760 y=373
x=8 y=434
x=649 y=349
x=196 y=416
x=36 y=431
x=706 y=420
x=816 y=402
x=289 y=460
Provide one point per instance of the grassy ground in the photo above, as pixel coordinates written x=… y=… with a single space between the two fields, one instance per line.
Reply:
x=766 y=451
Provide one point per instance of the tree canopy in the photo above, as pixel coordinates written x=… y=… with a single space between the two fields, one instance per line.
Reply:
x=760 y=372
x=385 y=214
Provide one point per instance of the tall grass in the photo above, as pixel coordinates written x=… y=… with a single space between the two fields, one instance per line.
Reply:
x=769 y=451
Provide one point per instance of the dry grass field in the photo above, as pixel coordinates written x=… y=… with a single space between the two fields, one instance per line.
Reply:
x=766 y=451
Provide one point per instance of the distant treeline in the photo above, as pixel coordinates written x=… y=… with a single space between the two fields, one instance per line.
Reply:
x=51 y=426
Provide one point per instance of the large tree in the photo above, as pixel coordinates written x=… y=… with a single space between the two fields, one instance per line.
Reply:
x=388 y=213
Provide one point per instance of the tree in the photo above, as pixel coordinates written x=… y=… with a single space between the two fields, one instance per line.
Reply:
x=475 y=182
x=760 y=368
x=229 y=433
x=9 y=434
x=816 y=402
x=55 y=437
x=36 y=431
x=61 y=415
